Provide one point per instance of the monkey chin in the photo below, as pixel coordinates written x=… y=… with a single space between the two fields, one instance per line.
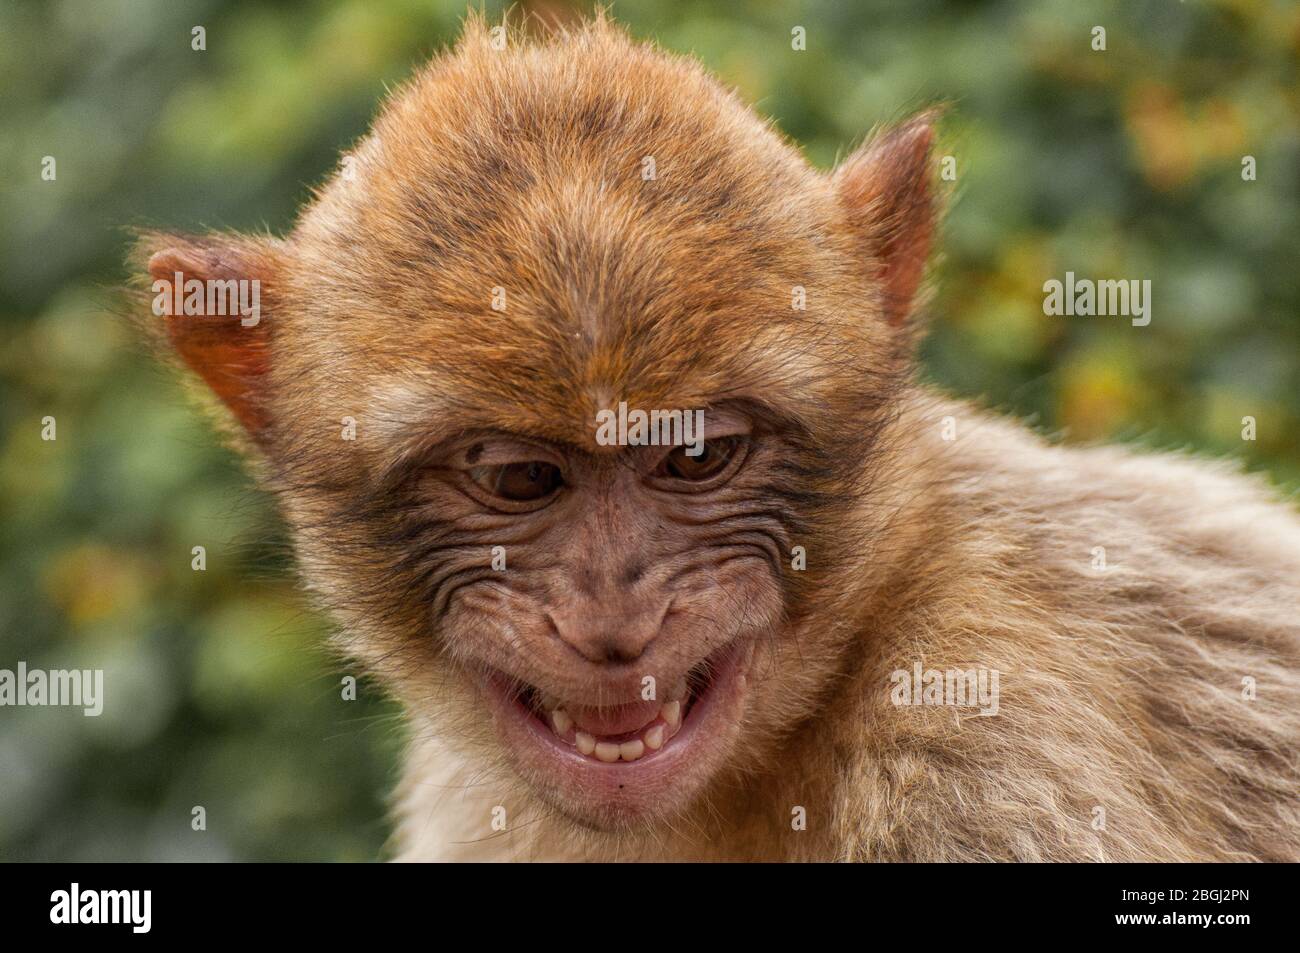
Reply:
x=622 y=795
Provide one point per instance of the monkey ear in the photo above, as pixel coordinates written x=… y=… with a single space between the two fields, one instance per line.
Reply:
x=887 y=191
x=212 y=298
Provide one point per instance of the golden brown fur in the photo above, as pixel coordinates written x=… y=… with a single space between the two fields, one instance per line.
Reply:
x=520 y=168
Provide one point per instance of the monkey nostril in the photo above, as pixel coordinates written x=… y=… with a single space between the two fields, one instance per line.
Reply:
x=633 y=574
x=616 y=654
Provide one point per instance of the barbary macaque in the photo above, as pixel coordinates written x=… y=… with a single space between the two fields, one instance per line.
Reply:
x=860 y=621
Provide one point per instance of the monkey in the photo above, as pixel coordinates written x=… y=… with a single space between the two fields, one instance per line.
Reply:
x=779 y=643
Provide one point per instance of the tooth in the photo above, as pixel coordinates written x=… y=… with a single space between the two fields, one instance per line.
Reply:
x=654 y=738
x=585 y=742
x=607 y=751
x=631 y=750
x=672 y=713
x=561 y=721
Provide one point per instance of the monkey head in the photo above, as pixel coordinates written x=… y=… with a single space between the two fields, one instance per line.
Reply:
x=531 y=242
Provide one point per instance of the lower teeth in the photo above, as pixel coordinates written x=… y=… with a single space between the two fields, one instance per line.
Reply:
x=651 y=737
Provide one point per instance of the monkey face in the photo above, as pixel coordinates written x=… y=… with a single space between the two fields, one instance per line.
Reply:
x=606 y=607
x=522 y=246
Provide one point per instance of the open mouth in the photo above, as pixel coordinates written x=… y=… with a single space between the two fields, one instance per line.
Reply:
x=625 y=732
x=617 y=759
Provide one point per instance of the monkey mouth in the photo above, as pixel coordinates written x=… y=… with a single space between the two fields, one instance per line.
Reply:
x=611 y=764
x=618 y=732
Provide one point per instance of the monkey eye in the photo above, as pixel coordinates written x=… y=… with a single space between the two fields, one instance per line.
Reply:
x=524 y=482
x=713 y=459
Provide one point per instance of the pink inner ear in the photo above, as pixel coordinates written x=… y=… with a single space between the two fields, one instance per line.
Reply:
x=887 y=192
x=230 y=358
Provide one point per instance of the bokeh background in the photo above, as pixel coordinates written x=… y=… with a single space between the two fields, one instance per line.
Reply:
x=1123 y=163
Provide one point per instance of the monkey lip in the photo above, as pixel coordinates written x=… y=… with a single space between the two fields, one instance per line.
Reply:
x=611 y=765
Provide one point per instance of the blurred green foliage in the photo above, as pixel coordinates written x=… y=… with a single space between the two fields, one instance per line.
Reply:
x=1123 y=163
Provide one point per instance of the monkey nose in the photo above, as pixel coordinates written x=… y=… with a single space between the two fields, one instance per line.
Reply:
x=606 y=640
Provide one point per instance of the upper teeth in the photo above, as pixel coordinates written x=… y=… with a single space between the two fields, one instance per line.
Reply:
x=672 y=714
x=651 y=737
